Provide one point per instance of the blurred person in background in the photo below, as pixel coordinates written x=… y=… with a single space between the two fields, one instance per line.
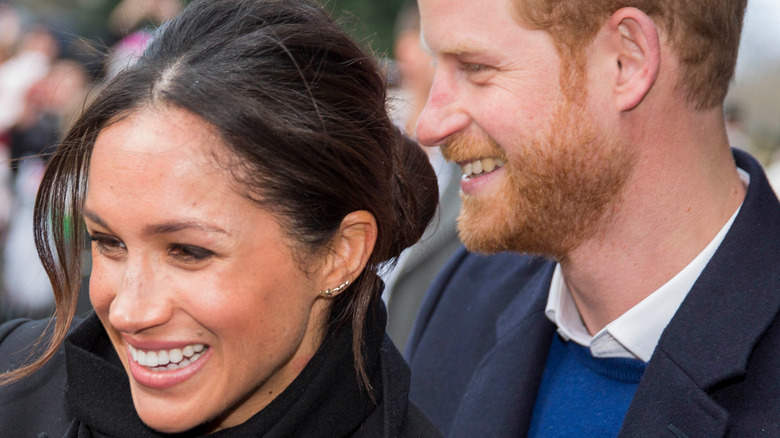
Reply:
x=131 y=15
x=29 y=64
x=25 y=286
x=418 y=265
x=132 y=22
x=736 y=129
x=10 y=30
x=50 y=106
x=10 y=33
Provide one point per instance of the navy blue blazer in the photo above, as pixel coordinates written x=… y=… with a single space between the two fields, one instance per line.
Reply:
x=478 y=349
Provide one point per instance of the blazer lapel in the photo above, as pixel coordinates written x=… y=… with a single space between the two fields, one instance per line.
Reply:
x=500 y=396
x=709 y=342
x=669 y=404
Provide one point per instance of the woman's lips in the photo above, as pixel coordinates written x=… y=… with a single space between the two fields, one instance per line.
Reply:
x=164 y=368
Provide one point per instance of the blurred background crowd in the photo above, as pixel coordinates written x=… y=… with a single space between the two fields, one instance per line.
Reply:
x=54 y=54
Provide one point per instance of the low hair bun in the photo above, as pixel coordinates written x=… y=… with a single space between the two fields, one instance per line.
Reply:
x=414 y=191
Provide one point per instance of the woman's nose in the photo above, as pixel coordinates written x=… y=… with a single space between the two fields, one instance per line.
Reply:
x=443 y=115
x=141 y=301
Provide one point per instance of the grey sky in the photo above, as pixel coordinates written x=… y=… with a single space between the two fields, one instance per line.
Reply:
x=760 y=47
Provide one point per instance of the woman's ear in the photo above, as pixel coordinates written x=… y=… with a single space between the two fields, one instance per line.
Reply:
x=351 y=248
x=634 y=47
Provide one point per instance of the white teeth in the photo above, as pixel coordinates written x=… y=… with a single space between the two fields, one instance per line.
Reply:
x=478 y=167
x=175 y=355
x=167 y=359
x=162 y=358
x=151 y=359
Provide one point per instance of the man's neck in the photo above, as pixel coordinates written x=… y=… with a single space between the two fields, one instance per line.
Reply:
x=679 y=197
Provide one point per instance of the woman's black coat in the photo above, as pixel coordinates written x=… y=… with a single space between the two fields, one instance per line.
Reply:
x=37 y=406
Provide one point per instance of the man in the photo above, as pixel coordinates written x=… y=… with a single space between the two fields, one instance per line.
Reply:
x=591 y=138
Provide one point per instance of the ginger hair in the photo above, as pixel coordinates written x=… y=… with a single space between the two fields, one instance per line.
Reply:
x=703 y=34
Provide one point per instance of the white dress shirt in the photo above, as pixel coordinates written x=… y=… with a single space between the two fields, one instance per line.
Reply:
x=635 y=333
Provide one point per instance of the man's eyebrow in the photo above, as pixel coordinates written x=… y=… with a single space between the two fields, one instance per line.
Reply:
x=463 y=49
x=458 y=49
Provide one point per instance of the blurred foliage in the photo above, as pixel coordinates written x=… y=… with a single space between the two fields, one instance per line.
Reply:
x=87 y=18
x=370 y=21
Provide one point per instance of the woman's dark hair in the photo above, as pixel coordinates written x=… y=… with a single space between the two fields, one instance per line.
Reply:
x=301 y=106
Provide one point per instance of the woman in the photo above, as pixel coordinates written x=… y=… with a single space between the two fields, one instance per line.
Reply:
x=240 y=184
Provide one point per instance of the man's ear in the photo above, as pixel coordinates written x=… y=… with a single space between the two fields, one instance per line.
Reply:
x=634 y=47
x=350 y=250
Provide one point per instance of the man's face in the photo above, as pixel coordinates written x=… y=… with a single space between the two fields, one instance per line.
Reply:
x=540 y=169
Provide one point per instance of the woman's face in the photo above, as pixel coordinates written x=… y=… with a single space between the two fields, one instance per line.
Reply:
x=196 y=285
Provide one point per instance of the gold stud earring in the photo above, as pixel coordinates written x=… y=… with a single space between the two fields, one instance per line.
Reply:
x=330 y=292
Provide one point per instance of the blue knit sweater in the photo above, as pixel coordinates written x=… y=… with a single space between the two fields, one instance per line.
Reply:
x=583 y=396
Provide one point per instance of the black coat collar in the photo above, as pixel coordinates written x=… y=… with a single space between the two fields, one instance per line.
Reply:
x=324 y=401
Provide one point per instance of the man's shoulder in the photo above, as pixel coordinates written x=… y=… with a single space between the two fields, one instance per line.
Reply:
x=473 y=304
x=487 y=271
x=484 y=283
x=476 y=296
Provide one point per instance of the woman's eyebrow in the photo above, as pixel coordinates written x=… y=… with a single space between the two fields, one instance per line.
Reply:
x=163 y=228
x=174 y=226
x=95 y=218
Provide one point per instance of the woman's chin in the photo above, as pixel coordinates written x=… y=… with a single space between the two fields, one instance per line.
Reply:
x=167 y=418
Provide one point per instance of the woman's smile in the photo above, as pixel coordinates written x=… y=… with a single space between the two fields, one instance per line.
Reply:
x=172 y=359
x=160 y=369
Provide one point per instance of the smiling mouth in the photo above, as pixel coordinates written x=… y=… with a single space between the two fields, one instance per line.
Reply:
x=166 y=360
x=481 y=167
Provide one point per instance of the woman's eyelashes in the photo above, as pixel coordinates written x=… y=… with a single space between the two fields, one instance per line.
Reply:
x=189 y=253
x=114 y=248
x=107 y=245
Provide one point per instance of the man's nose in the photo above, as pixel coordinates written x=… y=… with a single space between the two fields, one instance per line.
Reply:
x=443 y=114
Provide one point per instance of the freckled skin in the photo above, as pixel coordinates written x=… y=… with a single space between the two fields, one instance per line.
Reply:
x=247 y=300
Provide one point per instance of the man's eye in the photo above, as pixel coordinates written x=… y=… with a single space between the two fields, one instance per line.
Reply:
x=475 y=68
x=190 y=253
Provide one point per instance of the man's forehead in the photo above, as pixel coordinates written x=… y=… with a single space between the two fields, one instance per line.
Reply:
x=459 y=16
x=463 y=27
x=467 y=46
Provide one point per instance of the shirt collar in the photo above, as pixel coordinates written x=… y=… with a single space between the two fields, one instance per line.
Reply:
x=634 y=334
